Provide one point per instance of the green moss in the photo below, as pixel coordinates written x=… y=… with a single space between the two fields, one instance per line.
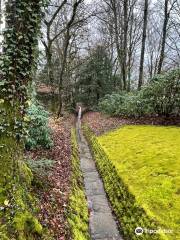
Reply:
x=139 y=166
x=26 y=222
x=3 y=236
x=18 y=216
x=26 y=173
x=17 y=205
x=78 y=217
x=148 y=162
x=9 y=151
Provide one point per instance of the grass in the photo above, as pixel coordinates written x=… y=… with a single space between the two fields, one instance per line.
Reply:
x=147 y=159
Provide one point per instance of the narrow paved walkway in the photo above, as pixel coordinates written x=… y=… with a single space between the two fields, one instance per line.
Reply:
x=102 y=222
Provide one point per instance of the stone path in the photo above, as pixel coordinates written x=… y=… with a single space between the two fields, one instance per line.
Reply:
x=102 y=223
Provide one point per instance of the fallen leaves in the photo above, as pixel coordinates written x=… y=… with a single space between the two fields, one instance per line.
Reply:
x=54 y=199
x=101 y=123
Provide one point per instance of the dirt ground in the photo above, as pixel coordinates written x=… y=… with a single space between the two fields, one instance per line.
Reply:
x=101 y=123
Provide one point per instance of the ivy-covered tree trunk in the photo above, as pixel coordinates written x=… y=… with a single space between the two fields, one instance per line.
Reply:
x=17 y=61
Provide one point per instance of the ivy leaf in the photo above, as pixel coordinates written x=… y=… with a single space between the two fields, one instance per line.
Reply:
x=6 y=202
x=20 y=37
x=2 y=83
x=29 y=103
x=26 y=119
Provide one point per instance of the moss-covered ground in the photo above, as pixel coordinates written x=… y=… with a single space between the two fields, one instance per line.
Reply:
x=78 y=217
x=18 y=209
x=140 y=167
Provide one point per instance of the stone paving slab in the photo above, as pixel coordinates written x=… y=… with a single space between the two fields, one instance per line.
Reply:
x=87 y=164
x=101 y=223
x=94 y=188
x=103 y=226
x=99 y=204
x=91 y=175
x=86 y=155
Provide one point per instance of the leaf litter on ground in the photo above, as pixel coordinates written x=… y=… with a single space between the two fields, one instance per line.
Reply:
x=55 y=187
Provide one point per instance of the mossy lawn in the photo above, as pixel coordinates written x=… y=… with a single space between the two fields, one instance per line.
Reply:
x=147 y=159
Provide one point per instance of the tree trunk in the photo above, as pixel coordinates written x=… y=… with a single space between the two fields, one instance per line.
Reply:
x=166 y=19
x=49 y=65
x=60 y=103
x=22 y=26
x=125 y=30
x=63 y=66
x=16 y=74
x=140 y=82
x=130 y=53
x=65 y=53
x=11 y=151
x=117 y=35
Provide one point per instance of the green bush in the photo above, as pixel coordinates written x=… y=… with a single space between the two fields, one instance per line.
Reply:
x=39 y=134
x=160 y=96
x=125 y=104
x=163 y=93
x=110 y=102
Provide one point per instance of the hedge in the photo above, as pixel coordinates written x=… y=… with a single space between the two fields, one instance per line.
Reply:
x=129 y=213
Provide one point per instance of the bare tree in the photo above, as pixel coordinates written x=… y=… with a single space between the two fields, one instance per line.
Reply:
x=125 y=44
x=167 y=12
x=49 y=40
x=126 y=29
x=123 y=24
x=65 y=51
x=145 y=20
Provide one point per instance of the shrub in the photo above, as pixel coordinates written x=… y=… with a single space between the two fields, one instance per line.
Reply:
x=160 y=96
x=39 y=134
x=163 y=93
x=40 y=166
x=110 y=102
x=125 y=104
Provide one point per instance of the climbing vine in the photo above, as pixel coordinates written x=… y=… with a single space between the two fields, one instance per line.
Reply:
x=23 y=19
x=17 y=62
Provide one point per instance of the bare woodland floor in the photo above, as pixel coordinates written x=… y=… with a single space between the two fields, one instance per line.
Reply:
x=101 y=123
x=53 y=193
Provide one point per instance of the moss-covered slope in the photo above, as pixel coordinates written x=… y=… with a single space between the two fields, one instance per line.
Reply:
x=140 y=166
x=18 y=208
x=78 y=217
